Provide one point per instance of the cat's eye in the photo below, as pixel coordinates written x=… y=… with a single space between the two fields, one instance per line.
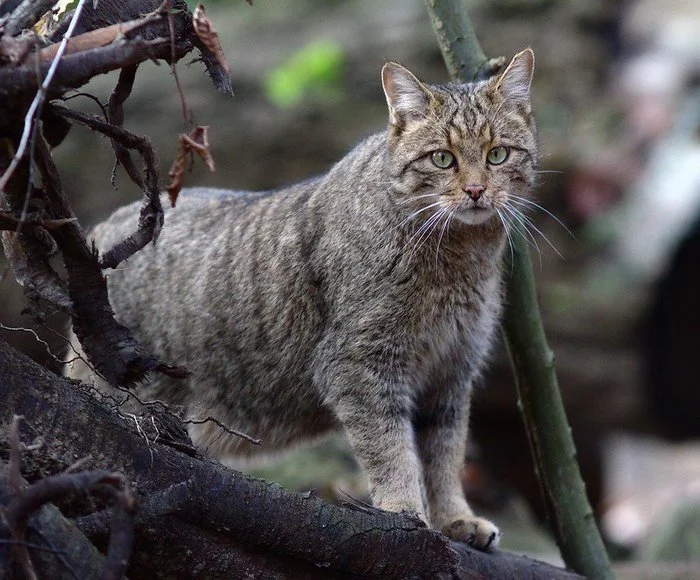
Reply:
x=497 y=155
x=442 y=159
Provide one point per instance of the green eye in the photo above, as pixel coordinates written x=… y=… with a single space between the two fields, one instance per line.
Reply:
x=497 y=155
x=442 y=159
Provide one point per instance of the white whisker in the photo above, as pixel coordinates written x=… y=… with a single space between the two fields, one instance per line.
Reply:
x=410 y=199
x=422 y=228
x=417 y=212
x=424 y=231
x=445 y=225
x=507 y=226
x=532 y=225
x=523 y=230
x=525 y=200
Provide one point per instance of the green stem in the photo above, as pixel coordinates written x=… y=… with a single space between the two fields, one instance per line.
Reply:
x=546 y=424
x=540 y=401
x=460 y=48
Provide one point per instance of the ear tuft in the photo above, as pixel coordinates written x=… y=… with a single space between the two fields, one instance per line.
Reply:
x=514 y=82
x=406 y=96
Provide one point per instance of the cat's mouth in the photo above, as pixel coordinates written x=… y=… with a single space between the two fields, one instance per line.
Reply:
x=475 y=214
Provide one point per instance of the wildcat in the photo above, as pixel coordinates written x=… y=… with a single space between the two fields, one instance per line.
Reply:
x=366 y=298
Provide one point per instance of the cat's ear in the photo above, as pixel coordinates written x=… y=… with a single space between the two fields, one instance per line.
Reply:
x=406 y=96
x=514 y=82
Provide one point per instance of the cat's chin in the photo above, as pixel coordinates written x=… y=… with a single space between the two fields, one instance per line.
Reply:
x=475 y=216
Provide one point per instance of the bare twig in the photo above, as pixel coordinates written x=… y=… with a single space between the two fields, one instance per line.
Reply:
x=50 y=489
x=37 y=103
x=14 y=472
x=77 y=69
x=109 y=345
x=37 y=338
x=165 y=409
x=115 y=116
x=90 y=96
x=11 y=223
x=151 y=216
x=121 y=537
x=186 y=111
x=223 y=427
x=76 y=354
x=99 y=37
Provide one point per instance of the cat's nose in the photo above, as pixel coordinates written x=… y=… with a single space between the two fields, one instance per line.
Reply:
x=474 y=191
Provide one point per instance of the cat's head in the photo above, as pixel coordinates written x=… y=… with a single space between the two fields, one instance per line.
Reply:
x=466 y=150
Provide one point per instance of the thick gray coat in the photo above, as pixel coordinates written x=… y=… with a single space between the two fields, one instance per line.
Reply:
x=347 y=300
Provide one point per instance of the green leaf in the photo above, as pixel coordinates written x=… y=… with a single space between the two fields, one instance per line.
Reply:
x=316 y=70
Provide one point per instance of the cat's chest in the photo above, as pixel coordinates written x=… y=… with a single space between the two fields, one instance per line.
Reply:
x=455 y=325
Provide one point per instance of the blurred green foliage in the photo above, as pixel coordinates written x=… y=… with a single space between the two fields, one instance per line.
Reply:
x=315 y=70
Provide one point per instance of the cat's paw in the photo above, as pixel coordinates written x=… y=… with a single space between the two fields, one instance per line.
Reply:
x=477 y=532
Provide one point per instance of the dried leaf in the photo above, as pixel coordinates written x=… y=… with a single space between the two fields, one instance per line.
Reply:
x=43 y=26
x=48 y=21
x=177 y=172
x=207 y=34
x=197 y=141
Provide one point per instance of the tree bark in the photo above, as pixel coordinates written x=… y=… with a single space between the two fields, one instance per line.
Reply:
x=202 y=518
x=52 y=531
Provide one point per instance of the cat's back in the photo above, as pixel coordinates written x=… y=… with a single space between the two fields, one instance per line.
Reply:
x=198 y=209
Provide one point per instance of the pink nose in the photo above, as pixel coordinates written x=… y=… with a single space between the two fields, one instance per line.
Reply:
x=474 y=191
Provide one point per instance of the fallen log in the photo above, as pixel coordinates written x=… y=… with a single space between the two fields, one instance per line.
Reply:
x=200 y=516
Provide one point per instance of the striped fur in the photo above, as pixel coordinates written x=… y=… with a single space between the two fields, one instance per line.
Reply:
x=366 y=298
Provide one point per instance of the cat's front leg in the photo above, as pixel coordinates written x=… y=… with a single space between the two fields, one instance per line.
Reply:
x=441 y=432
x=376 y=415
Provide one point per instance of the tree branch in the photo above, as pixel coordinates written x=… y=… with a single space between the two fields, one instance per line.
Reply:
x=26 y=14
x=201 y=515
x=121 y=92
x=151 y=215
x=25 y=248
x=533 y=363
x=51 y=545
x=546 y=424
x=110 y=346
x=461 y=51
